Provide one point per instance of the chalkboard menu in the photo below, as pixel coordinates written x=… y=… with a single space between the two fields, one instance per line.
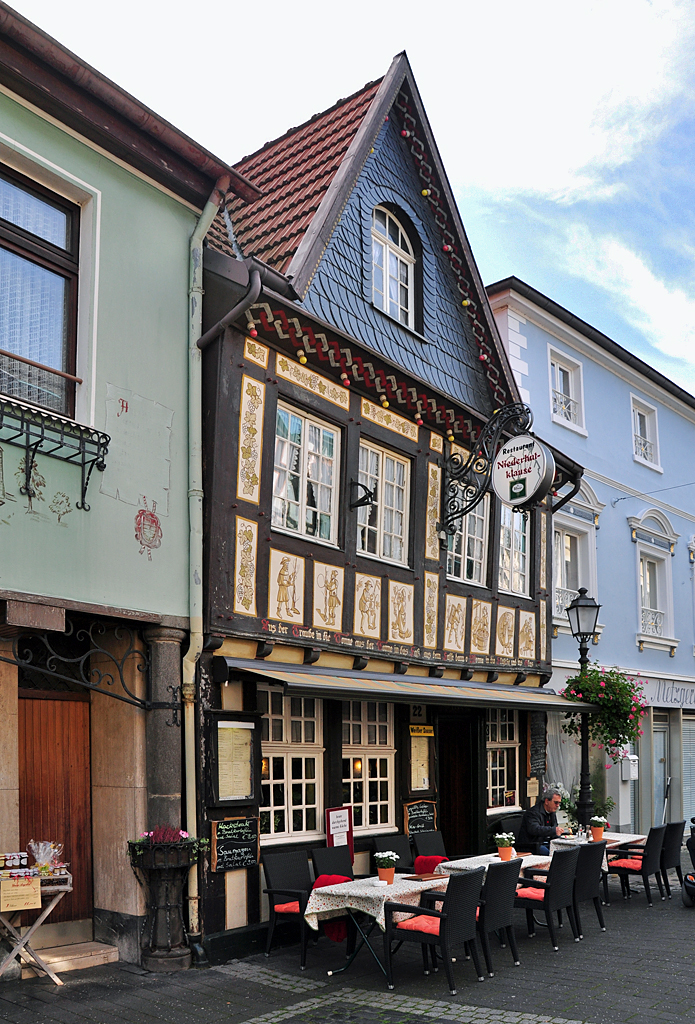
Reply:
x=420 y=816
x=235 y=844
x=536 y=743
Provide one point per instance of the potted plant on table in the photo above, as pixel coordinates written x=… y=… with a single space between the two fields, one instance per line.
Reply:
x=597 y=825
x=161 y=860
x=385 y=861
x=504 y=841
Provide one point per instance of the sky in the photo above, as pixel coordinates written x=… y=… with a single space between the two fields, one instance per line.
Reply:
x=567 y=128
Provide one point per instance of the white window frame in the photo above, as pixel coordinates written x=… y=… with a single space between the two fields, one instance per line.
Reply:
x=579 y=517
x=364 y=512
x=405 y=257
x=363 y=751
x=517 y=520
x=641 y=452
x=575 y=407
x=497 y=717
x=655 y=543
x=309 y=420
x=463 y=535
x=287 y=749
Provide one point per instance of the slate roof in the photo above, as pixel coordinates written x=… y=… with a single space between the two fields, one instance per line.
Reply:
x=294 y=173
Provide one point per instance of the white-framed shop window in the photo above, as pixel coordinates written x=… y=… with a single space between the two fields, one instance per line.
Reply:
x=566 y=391
x=291 y=803
x=502 y=742
x=655 y=540
x=515 y=563
x=393 y=266
x=368 y=764
x=466 y=557
x=645 y=433
x=305 y=477
x=382 y=527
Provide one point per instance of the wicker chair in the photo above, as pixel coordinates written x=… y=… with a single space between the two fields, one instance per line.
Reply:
x=451 y=926
x=587 y=881
x=429 y=844
x=289 y=887
x=554 y=895
x=399 y=845
x=496 y=912
x=332 y=860
x=671 y=853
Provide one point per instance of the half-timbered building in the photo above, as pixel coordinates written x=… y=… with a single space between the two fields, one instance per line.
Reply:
x=373 y=647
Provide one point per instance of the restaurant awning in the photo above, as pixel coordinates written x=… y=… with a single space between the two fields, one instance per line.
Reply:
x=342 y=685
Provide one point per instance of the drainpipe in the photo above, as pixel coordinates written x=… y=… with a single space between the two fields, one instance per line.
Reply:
x=195 y=518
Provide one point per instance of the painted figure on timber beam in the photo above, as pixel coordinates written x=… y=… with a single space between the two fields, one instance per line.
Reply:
x=367 y=606
x=331 y=601
x=287 y=593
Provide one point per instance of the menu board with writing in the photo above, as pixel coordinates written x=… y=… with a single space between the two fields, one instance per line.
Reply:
x=537 y=740
x=235 y=844
x=19 y=894
x=234 y=760
x=420 y=816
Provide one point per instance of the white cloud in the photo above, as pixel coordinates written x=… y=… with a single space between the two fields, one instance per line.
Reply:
x=663 y=313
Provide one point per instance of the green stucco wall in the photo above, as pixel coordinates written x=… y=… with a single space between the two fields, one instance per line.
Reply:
x=133 y=290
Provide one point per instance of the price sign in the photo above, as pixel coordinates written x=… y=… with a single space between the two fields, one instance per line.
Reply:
x=19 y=894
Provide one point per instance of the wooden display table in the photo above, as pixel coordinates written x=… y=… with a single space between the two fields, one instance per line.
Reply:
x=52 y=892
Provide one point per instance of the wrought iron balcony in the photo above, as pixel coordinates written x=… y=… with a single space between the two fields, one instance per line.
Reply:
x=644 y=449
x=563 y=598
x=652 y=622
x=565 y=407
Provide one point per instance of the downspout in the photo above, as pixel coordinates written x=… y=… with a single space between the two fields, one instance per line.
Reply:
x=195 y=518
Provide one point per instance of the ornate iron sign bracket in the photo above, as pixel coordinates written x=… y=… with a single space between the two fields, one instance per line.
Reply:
x=40 y=433
x=86 y=661
x=466 y=480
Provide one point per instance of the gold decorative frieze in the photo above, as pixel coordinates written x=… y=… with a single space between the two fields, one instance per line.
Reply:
x=455 y=623
x=245 y=567
x=390 y=420
x=328 y=596
x=305 y=378
x=527 y=635
x=250 y=439
x=505 y=632
x=543 y=575
x=367 y=619
x=434 y=486
x=481 y=618
x=436 y=442
x=256 y=353
x=543 y=615
x=286 y=587
x=430 y=610
x=401 y=612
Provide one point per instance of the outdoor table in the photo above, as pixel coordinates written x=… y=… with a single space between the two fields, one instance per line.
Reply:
x=614 y=841
x=450 y=867
x=362 y=896
x=52 y=890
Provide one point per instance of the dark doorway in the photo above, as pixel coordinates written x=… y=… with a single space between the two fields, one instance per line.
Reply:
x=461 y=782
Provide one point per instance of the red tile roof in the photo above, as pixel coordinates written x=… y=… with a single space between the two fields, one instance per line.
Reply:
x=294 y=173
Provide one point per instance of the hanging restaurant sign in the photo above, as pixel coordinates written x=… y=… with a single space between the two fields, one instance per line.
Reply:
x=522 y=471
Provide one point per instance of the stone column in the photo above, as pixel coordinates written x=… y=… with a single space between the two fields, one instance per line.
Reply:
x=164 y=740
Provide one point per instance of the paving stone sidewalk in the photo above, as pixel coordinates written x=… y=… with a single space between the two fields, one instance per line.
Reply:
x=640 y=971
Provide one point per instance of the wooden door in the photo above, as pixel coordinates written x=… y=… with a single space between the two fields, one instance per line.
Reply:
x=459 y=783
x=55 y=788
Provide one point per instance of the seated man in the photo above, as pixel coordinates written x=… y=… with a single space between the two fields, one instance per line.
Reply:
x=539 y=823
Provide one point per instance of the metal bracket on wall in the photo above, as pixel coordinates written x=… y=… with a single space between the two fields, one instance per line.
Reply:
x=466 y=480
x=366 y=499
x=79 y=657
x=41 y=433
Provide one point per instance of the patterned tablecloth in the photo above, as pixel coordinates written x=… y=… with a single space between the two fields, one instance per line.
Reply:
x=450 y=867
x=362 y=895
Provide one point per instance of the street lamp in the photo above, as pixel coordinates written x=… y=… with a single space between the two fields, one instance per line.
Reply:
x=583 y=616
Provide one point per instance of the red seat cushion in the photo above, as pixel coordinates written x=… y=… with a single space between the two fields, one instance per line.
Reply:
x=323 y=880
x=634 y=863
x=426 y=865
x=529 y=893
x=421 y=923
x=287 y=908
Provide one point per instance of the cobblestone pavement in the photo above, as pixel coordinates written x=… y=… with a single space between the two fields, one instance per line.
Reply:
x=639 y=971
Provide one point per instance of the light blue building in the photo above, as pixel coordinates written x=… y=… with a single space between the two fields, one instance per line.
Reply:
x=627 y=535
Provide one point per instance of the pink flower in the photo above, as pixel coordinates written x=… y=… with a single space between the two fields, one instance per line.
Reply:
x=600 y=746
x=630 y=716
x=184 y=835
x=602 y=683
x=572 y=691
x=608 y=766
x=641 y=732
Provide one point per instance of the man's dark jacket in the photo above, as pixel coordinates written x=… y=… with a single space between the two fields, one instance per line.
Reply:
x=537 y=826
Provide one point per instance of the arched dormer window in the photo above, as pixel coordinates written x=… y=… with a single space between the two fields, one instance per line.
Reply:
x=393 y=266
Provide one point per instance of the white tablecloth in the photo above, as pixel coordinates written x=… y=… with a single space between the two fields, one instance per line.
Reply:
x=334 y=900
